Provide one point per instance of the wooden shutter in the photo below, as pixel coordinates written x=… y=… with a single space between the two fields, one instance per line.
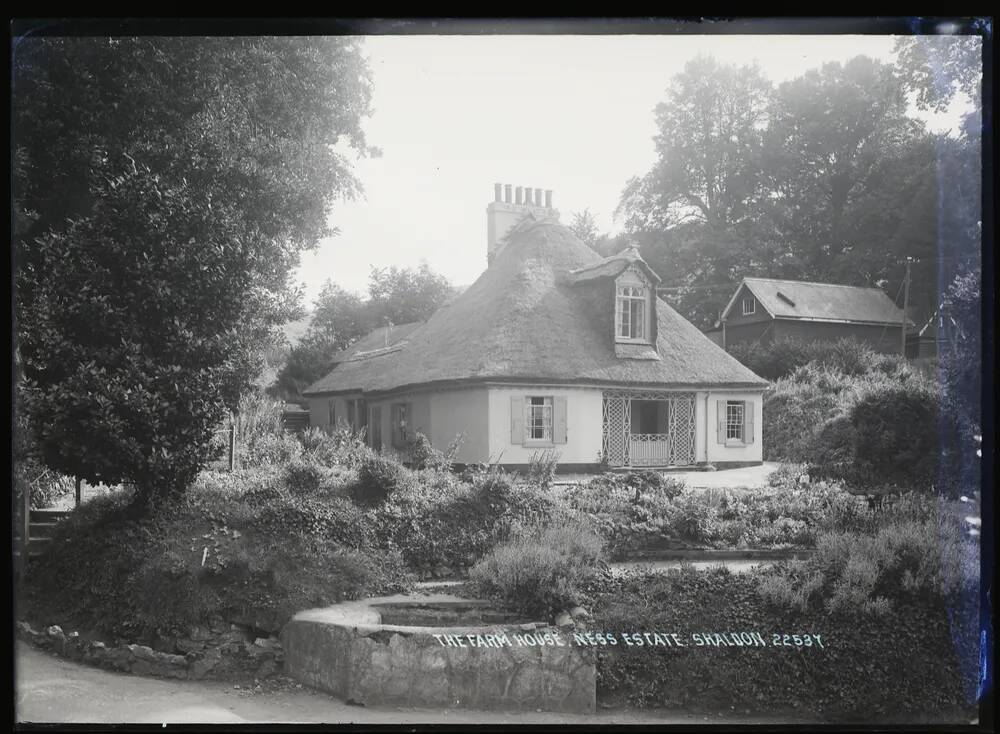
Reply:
x=720 y=412
x=748 y=422
x=517 y=420
x=559 y=420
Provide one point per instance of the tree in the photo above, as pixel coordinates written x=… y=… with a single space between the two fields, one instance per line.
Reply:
x=396 y=296
x=695 y=213
x=339 y=319
x=404 y=295
x=840 y=156
x=938 y=67
x=584 y=226
x=163 y=190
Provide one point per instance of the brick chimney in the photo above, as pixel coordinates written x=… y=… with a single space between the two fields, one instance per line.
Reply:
x=503 y=213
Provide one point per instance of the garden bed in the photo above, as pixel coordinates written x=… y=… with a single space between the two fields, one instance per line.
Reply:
x=439 y=651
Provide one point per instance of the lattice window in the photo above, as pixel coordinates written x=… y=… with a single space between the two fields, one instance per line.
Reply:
x=538 y=418
x=735 y=415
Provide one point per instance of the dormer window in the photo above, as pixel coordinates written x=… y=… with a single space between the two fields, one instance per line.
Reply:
x=632 y=310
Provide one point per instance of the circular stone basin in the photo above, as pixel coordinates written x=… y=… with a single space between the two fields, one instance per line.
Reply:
x=438 y=651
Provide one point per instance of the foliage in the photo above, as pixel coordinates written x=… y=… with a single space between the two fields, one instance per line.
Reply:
x=163 y=190
x=267 y=554
x=380 y=477
x=961 y=362
x=542 y=467
x=340 y=318
x=868 y=668
x=781 y=357
x=424 y=456
x=404 y=295
x=540 y=570
x=903 y=561
x=823 y=178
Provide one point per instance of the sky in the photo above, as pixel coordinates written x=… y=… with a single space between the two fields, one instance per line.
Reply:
x=455 y=114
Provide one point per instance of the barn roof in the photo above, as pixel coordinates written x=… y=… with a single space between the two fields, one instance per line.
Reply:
x=530 y=317
x=795 y=299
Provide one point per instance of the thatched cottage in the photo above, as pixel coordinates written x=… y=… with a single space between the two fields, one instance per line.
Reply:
x=553 y=347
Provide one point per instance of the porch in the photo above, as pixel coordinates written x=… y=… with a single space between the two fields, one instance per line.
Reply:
x=648 y=429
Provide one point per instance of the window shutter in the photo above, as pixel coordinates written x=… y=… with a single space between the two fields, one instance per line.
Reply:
x=720 y=412
x=748 y=420
x=559 y=420
x=517 y=420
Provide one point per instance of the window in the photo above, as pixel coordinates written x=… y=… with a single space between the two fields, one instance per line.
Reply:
x=631 y=312
x=538 y=419
x=735 y=416
x=749 y=306
x=400 y=425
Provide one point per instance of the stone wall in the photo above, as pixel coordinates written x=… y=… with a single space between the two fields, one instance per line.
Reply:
x=346 y=651
x=219 y=651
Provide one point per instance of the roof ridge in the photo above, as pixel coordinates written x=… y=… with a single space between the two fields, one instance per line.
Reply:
x=816 y=282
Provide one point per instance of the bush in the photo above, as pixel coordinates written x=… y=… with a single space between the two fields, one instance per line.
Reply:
x=341 y=447
x=424 y=456
x=903 y=561
x=542 y=468
x=266 y=553
x=540 y=571
x=443 y=525
x=868 y=667
x=379 y=477
x=782 y=357
x=303 y=476
x=270 y=449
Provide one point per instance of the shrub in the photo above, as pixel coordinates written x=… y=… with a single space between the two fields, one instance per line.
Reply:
x=540 y=571
x=270 y=449
x=341 y=447
x=302 y=475
x=424 y=456
x=904 y=560
x=236 y=544
x=379 y=477
x=542 y=468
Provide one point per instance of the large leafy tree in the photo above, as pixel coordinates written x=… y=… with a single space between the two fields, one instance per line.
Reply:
x=694 y=213
x=163 y=188
x=404 y=295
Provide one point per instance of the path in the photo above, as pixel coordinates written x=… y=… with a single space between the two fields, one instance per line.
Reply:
x=749 y=476
x=50 y=689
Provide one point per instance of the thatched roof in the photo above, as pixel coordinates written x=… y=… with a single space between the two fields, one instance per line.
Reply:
x=794 y=299
x=384 y=337
x=529 y=317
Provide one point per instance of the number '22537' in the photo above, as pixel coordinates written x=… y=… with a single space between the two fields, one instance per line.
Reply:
x=806 y=640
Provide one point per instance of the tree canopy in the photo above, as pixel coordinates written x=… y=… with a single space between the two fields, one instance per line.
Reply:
x=395 y=296
x=825 y=177
x=163 y=189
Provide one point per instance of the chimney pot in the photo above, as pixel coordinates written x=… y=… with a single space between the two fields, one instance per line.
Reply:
x=496 y=192
x=548 y=198
x=506 y=193
x=538 y=197
x=519 y=195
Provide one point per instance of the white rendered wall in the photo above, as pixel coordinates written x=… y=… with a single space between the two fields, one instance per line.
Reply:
x=584 y=408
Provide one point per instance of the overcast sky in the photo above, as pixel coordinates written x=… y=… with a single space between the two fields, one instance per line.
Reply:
x=455 y=114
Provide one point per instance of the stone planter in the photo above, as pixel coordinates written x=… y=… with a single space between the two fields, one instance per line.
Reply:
x=352 y=651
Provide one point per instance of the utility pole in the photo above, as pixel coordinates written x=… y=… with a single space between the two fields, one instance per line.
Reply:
x=906 y=304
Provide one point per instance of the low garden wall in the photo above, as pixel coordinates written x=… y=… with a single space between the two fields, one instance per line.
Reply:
x=220 y=651
x=350 y=650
